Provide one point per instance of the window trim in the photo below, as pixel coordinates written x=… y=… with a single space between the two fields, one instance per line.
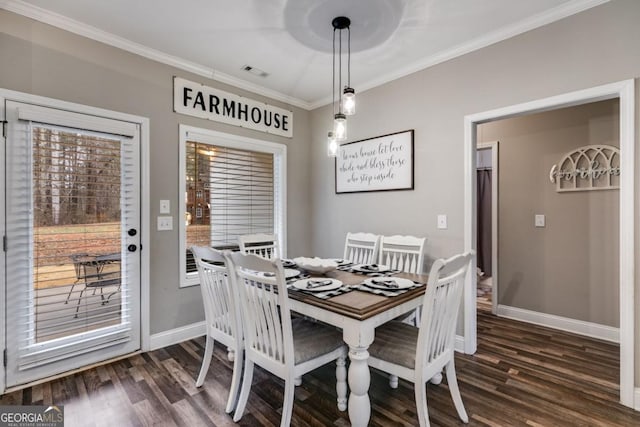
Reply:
x=206 y=136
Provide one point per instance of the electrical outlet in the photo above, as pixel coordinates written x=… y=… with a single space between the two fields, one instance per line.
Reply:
x=539 y=220
x=165 y=223
x=442 y=222
x=165 y=206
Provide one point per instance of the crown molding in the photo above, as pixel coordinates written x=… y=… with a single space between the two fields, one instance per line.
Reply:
x=81 y=29
x=60 y=21
x=504 y=33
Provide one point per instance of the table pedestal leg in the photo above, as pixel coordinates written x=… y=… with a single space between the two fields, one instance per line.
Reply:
x=359 y=380
x=341 y=383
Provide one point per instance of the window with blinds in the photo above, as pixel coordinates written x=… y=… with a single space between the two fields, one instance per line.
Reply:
x=228 y=192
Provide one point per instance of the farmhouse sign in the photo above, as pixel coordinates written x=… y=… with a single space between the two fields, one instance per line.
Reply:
x=194 y=99
x=376 y=164
x=592 y=167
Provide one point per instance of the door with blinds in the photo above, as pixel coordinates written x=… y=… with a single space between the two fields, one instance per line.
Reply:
x=72 y=215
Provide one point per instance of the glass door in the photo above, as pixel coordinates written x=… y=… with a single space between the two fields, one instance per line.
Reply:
x=72 y=221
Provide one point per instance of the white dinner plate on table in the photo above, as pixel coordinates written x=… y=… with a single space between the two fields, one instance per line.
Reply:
x=341 y=262
x=371 y=268
x=389 y=283
x=288 y=273
x=317 y=284
x=291 y=272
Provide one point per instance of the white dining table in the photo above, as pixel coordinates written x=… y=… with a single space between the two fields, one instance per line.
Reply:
x=358 y=314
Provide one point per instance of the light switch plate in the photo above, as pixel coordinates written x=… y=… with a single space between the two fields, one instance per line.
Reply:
x=165 y=206
x=442 y=222
x=165 y=223
x=540 y=220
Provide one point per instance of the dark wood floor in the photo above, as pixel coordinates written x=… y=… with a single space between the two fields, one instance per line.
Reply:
x=521 y=375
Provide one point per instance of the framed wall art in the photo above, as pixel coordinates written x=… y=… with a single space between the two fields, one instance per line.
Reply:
x=382 y=163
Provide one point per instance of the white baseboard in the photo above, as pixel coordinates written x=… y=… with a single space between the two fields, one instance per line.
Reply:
x=594 y=330
x=175 y=336
x=636 y=399
x=459 y=346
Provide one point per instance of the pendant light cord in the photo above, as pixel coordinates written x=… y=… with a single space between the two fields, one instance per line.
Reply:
x=340 y=73
x=333 y=74
x=349 y=56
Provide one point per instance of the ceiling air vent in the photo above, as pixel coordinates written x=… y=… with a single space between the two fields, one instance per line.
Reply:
x=255 y=71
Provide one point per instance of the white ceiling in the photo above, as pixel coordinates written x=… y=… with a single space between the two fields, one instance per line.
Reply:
x=216 y=38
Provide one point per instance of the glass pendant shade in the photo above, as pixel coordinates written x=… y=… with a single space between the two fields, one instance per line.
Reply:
x=349 y=101
x=332 y=145
x=340 y=127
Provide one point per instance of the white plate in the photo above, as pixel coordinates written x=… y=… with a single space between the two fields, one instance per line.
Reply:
x=291 y=272
x=288 y=273
x=402 y=283
x=341 y=261
x=302 y=284
x=368 y=268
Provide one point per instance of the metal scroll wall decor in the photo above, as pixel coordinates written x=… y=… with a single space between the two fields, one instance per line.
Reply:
x=592 y=167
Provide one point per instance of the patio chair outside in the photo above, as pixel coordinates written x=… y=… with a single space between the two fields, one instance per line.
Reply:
x=97 y=272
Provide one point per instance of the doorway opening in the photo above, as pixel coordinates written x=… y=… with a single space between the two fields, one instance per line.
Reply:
x=487 y=230
x=625 y=92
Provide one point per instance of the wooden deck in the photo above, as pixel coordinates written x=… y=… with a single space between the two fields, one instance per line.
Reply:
x=55 y=317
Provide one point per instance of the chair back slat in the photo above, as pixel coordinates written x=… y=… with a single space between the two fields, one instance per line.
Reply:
x=440 y=308
x=262 y=245
x=220 y=309
x=260 y=284
x=404 y=253
x=361 y=248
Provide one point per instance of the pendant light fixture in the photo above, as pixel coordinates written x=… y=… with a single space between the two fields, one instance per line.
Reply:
x=346 y=97
x=348 y=94
x=332 y=145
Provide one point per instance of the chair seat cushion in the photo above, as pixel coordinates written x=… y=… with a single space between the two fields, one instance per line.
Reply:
x=312 y=339
x=395 y=342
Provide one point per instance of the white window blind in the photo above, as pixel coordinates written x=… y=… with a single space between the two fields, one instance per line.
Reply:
x=229 y=192
x=65 y=239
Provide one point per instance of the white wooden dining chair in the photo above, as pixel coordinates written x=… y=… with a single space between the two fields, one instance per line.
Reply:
x=263 y=245
x=419 y=354
x=222 y=316
x=404 y=253
x=286 y=347
x=361 y=248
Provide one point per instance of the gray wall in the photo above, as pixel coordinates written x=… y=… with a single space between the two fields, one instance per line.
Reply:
x=592 y=48
x=570 y=267
x=46 y=61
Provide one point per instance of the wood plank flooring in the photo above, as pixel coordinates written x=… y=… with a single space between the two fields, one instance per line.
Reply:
x=522 y=375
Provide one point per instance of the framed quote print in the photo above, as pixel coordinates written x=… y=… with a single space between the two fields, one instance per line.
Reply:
x=382 y=163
